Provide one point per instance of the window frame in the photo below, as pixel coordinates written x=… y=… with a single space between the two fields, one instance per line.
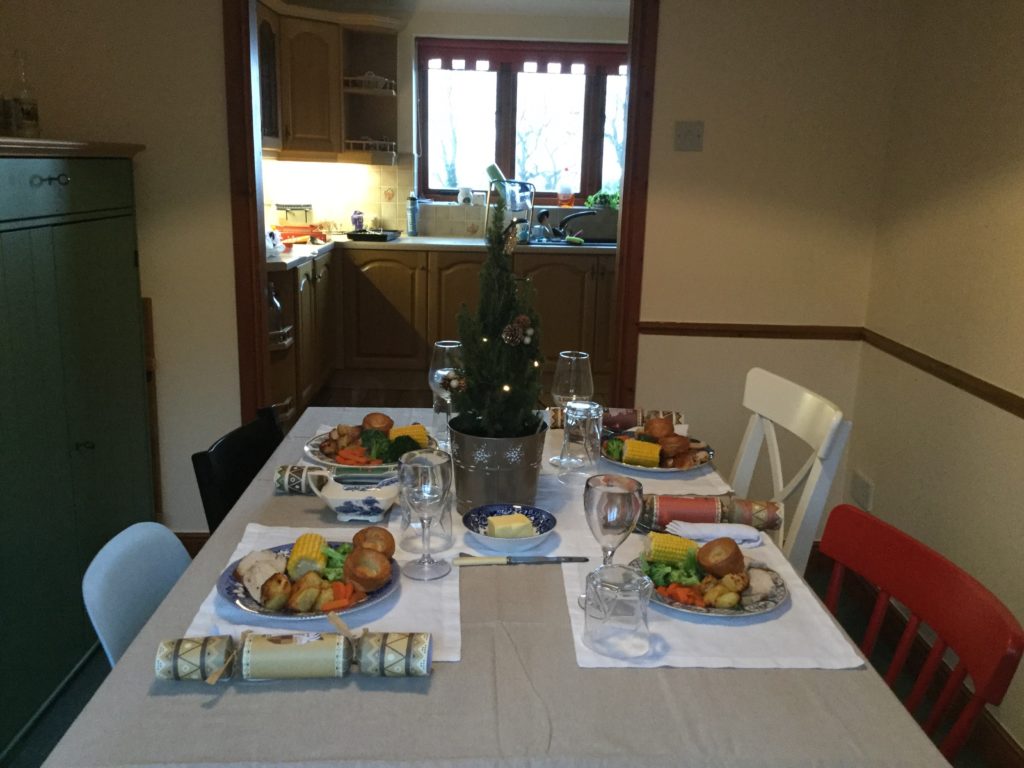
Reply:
x=506 y=58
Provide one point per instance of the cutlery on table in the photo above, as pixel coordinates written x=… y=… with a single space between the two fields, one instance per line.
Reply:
x=467 y=559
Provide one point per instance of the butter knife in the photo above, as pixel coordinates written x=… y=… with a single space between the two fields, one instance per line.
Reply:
x=514 y=560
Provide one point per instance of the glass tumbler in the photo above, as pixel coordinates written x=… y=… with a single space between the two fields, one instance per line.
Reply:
x=581 y=441
x=615 y=607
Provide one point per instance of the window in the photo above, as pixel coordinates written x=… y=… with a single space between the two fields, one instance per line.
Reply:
x=541 y=111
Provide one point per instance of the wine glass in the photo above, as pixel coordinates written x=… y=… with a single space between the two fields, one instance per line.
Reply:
x=444 y=364
x=425 y=480
x=612 y=504
x=573 y=381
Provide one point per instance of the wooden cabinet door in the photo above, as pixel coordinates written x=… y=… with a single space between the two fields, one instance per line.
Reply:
x=102 y=349
x=385 y=309
x=604 y=304
x=565 y=287
x=454 y=281
x=305 y=333
x=324 y=317
x=37 y=515
x=311 y=85
x=268 y=36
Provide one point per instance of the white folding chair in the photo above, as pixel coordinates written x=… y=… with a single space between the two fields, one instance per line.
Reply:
x=815 y=420
x=128 y=579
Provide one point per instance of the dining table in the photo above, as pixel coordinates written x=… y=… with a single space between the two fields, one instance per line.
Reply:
x=511 y=684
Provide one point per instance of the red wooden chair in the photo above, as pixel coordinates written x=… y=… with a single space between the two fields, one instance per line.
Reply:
x=966 y=617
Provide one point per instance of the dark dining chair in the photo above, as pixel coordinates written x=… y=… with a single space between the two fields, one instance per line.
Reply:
x=965 y=617
x=225 y=469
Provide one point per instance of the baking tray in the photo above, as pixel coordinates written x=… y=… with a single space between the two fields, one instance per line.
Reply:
x=374 y=235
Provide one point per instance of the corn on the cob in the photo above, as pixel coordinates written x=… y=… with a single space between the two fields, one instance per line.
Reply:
x=306 y=555
x=641 y=453
x=667 y=548
x=416 y=431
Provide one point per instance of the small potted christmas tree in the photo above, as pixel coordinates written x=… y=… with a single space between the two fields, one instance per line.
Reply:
x=498 y=435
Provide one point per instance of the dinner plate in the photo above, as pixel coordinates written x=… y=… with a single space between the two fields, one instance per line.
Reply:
x=750 y=604
x=232 y=590
x=347 y=472
x=661 y=470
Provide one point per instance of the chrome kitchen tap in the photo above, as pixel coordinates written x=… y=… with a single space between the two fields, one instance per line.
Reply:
x=560 y=231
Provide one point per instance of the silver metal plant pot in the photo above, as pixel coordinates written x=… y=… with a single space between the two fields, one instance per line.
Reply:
x=496 y=470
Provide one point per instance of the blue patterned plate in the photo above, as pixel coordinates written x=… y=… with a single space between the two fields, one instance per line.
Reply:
x=346 y=473
x=232 y=590
x=476 y=522
x=770 y=595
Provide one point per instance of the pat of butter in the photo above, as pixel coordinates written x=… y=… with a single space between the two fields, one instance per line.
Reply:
x=514 y=526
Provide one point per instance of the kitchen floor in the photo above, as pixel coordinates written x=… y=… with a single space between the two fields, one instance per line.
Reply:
x=50 y=727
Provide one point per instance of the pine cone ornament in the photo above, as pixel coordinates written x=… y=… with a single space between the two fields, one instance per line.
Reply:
x=512 y=335
x=452 y=383
x=523 y=321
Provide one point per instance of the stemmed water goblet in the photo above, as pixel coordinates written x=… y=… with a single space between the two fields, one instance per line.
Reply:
x=573 y=381
x=612 y=505
x=444 y=365
x=424 y=481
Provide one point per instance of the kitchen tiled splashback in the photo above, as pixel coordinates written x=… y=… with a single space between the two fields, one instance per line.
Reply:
x=335 y=190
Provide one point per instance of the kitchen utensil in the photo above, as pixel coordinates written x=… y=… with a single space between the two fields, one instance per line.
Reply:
x=465 y=559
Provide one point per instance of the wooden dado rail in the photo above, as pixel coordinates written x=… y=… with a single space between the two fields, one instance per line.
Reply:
x=984 y=390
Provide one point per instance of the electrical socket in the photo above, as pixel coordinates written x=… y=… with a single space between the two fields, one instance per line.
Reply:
x=862 y=489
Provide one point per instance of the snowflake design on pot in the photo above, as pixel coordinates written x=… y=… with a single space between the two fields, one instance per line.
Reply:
x=481 y=455
x=515 y=454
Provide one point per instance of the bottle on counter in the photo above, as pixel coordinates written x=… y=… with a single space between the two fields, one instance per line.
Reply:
x=412 y=215
x=566 y=197
x=26 y=108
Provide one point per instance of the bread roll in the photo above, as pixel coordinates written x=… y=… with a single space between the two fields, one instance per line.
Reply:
x=720 y=557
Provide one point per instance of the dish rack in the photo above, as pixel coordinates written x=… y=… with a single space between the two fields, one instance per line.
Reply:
x=518 y=196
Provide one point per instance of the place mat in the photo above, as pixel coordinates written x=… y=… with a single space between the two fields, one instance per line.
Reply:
x=799 y=634
x=417 y=606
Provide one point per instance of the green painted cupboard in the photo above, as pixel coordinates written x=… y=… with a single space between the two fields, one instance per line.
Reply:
x=75 y=464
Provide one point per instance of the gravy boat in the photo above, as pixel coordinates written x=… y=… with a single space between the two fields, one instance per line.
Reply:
x=354 y=502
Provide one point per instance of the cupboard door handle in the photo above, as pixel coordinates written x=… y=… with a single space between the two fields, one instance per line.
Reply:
x=37 y=181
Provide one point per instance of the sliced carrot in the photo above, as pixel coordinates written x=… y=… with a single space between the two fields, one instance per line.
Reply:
x=338 y=588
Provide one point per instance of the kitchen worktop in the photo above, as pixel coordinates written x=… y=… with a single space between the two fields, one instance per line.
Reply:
x=301 y=254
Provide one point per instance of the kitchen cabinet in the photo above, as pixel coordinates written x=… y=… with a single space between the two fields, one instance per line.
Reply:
x=75 y=456
x=384 y=309
x=310 y=85
x=268 y=36
x=370 y=108
x=301 y=354
x=453 y=280
x=574 y=296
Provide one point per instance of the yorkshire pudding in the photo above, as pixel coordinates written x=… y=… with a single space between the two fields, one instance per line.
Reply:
x=672 y=445
x=367 y=569
x=379 y=421
x=658 y=426
x=375 y=537
x=719 y=557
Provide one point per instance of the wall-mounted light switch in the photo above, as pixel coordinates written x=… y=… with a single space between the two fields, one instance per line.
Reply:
x=689 y=135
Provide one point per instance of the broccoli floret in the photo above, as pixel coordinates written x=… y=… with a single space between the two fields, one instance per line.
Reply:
x=660 y=573
x=400 y=446
x=613 y=448
x=334 y=569
x=376 y=444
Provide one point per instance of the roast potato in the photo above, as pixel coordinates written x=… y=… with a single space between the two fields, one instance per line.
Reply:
x=305 y=592
x=275 y=592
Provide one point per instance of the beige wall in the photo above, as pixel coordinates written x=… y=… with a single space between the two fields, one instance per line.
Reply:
x=153 y=74
x=948 y=281
x=863 y=165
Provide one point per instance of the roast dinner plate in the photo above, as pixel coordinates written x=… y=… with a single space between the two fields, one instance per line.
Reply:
x=232 y=590
x=349 y=473
x=703 y=454
x=767 y=591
